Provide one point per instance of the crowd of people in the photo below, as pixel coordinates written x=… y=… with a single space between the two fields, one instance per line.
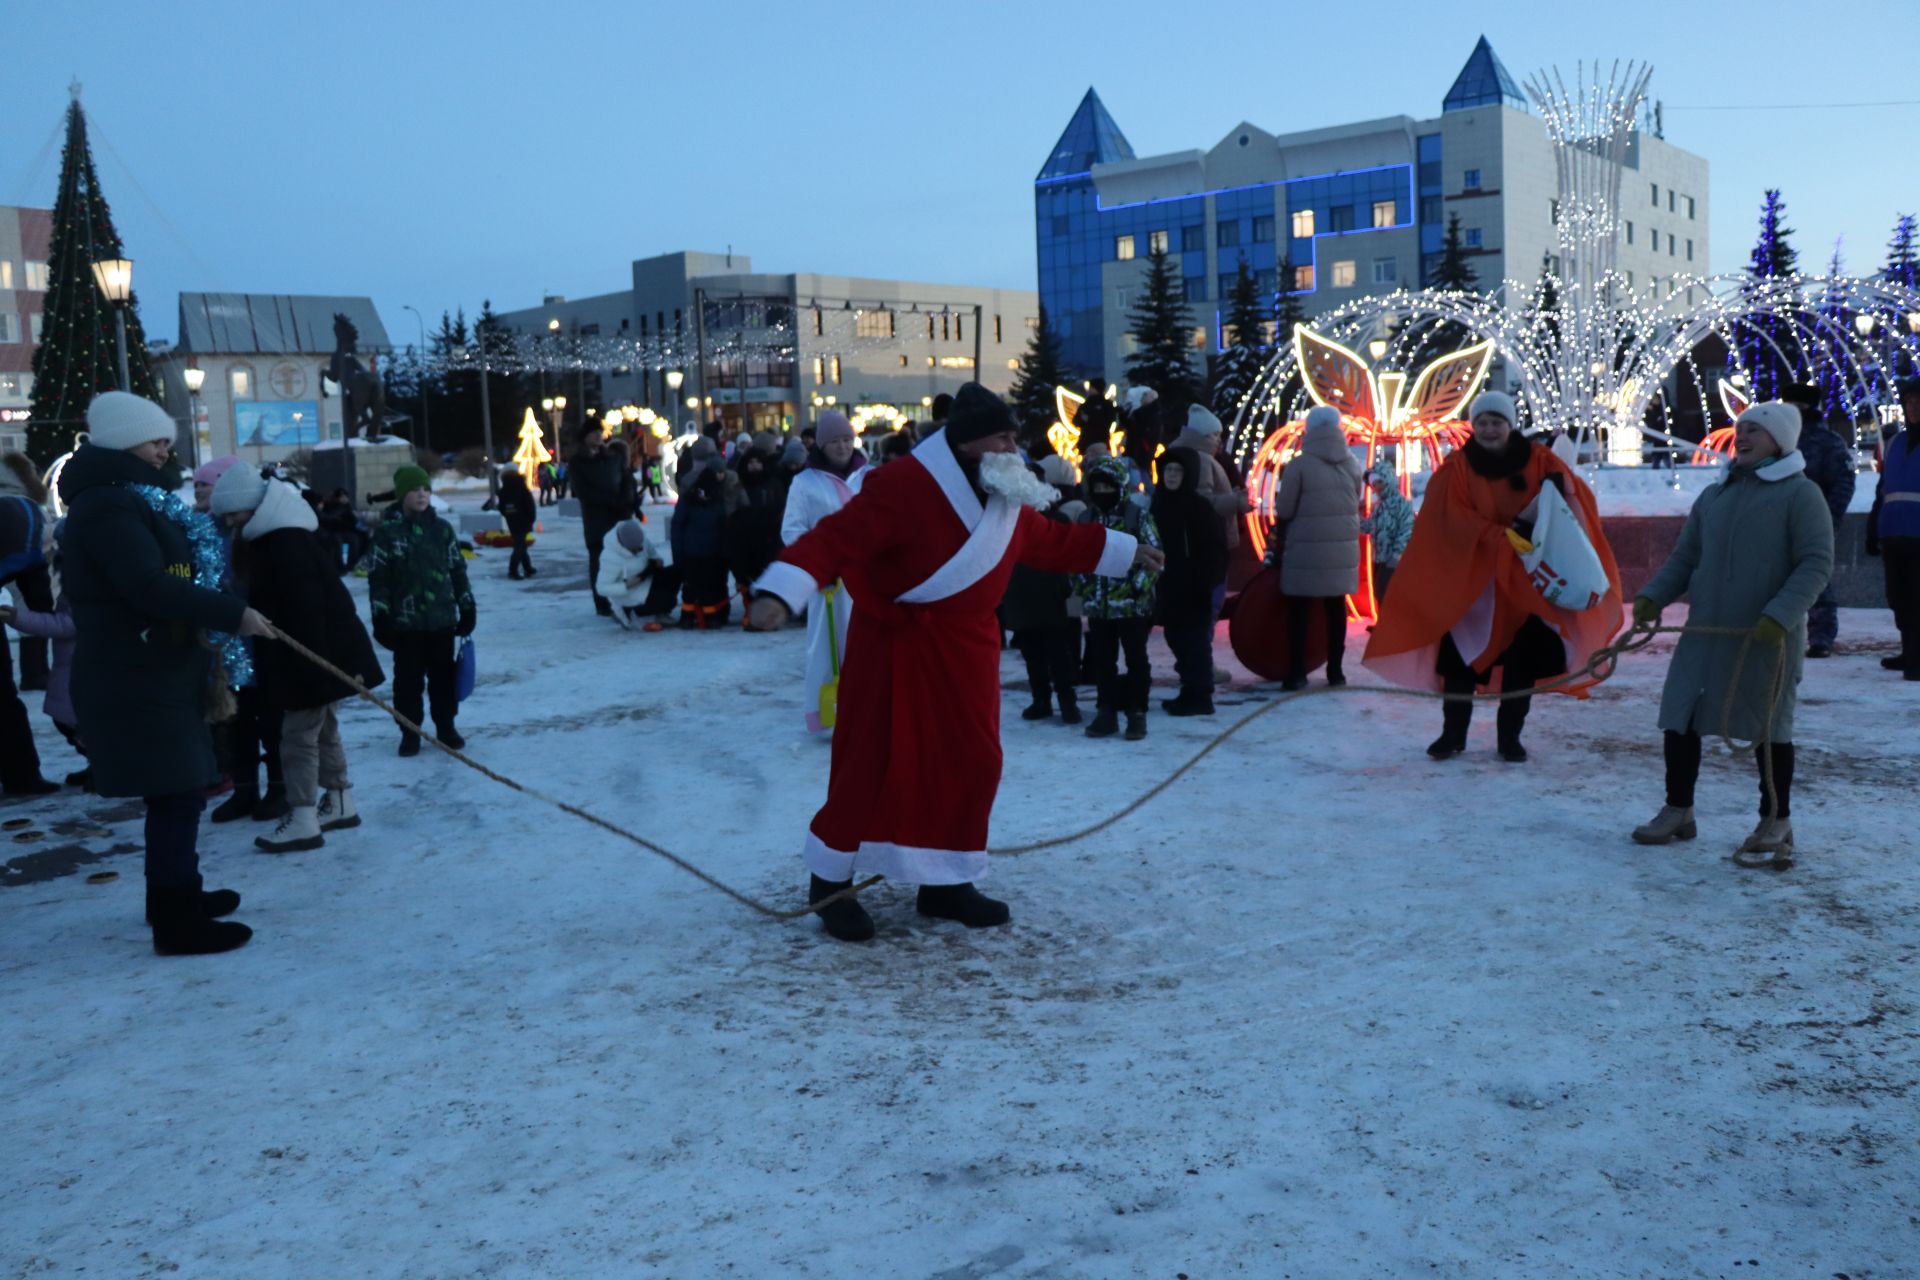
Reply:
x=155 y=625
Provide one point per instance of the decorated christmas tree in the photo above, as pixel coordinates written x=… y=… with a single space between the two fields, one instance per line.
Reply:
x=1768 y=350
x=77 y=357
x=533 y=450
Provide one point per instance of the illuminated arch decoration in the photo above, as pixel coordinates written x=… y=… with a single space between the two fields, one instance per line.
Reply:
x=1375 y=410
x=1718 y=444
x=1064 y=435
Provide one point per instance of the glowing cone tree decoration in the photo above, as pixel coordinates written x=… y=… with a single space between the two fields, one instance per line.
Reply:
x=533 y=450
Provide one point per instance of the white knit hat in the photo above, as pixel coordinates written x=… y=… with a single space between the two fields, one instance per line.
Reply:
x=117 y=420
x=1201 y=422
x=240 y=488
x=1779 y=420
x=1494 y=402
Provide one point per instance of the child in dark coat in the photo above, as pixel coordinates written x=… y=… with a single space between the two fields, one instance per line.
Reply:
x=698 y=538
x=1035 y=610
x=516 y=506
x=1196 y=550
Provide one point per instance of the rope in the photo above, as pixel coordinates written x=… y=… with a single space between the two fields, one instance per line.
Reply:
x=1598 y=668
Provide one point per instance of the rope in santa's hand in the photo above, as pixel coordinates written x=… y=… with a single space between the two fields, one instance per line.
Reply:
x=744 y=899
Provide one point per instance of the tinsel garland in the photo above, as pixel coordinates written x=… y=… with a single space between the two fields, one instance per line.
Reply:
x=209 y=567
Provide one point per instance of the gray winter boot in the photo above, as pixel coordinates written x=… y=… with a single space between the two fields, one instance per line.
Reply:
x=1670 y=824
x=1770 y=845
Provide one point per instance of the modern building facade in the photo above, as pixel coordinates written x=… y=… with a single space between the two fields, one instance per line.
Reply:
x=25 y=237
x=768 y=350
x=1334 y=213
x=263 y=396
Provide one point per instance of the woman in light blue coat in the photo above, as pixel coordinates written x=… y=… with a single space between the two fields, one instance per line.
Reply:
x=1755 y=554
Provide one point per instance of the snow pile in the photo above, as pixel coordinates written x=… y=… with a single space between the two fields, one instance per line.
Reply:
x=1325 y=1008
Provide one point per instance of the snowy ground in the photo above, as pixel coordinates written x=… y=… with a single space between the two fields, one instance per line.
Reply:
x=1326 y=1009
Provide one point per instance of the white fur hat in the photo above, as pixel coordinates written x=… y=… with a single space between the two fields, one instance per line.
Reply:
x=117 y=420
x=1201 y=421
x=1494 y=402
x=240 y=488
x=1779 y=420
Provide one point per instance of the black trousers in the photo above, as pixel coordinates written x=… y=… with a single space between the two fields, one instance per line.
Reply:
x=1683 y=772
x=251 y=736
x=1333 y=618
x=1107 y=639
x=173 y=835
x=425 y=659
x=1535 y=654
x=1048 y=652
x=1900 y=558
x=36 y=589
x=1192 y=645
x=520 y=562
x=19 y=758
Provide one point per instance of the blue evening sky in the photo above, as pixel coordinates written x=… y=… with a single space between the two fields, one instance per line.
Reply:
x=436 y=154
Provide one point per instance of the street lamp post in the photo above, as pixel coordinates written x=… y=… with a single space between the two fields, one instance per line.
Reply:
x=115 y=278
x=426 y=413
x=195 y=378
x=674 y=378
x=555 y=405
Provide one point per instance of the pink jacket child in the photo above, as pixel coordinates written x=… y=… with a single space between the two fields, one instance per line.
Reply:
x=56 y=626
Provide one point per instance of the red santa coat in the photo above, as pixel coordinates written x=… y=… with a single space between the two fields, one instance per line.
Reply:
x=916 y=744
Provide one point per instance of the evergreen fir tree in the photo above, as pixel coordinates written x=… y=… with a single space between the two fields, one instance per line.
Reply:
x=1287 y=312
x=1767 y=347
x=77 y=357
x=1247 y=351
x=1162 y=333
x=458 y=390
x=1839 y=324
x=1039 y=374
x=1902 y=266
x=494 y=339
x=1454 y=271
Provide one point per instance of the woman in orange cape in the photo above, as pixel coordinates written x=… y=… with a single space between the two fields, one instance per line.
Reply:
x=1461 y=609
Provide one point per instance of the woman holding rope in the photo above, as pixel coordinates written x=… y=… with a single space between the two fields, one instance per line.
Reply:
x=1755 y=554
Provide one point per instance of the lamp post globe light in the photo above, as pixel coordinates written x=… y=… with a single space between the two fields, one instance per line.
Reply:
x=115 y=278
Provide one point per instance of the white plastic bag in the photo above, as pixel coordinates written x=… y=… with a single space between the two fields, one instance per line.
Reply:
x=1563 y=566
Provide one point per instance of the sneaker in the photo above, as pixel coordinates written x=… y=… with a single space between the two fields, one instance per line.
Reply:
x=964 y=903
x=297 y=832
x=336 y=811
x=1673 y=822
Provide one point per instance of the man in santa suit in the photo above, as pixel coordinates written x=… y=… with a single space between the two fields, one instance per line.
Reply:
x=926 y=546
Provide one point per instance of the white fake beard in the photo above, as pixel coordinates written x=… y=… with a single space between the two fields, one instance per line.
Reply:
x=1006 y=476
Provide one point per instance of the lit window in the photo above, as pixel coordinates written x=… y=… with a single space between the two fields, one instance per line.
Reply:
x=1303 y=224
x=1227 y=233
x=1263 y=230
x=1123 y=248
x=1473 y=237
x=1384 y=213
x=1303 y=279
x=1033 y=322
x=953 y=362
x=836 y=370
x=819 y=370
x=36 y=275
x=1386 y=270
x=15 y=386
x=903 y=362
x=1198 y=338
x=6 y=273
x=1156 y=242
x=1011 y=363
x=9 y=326
x=240 y=383
x=1472 y=180
x=873 y=324
x=1343 y=274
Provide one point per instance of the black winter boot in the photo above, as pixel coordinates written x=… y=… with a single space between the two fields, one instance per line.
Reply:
x=1510 y=720
x=1069 y=709
x=1136 y=725
x=1042 y=709
x=181 y=928
x=846 y=920
x=450 y=736
x=211 y=903
x=1189 y=703
x=1106 y=723
x=1456 y=717
x=236 y=806
x=273 y=804
x=964 y=903
x=409 y=743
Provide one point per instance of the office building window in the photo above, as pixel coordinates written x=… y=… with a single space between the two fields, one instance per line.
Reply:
x=1060 y=224
x=1193 y=239
x=1123 y=248
x=1263 y=229
x=903 y=362
x=1690 y=208
x=1384 y=213
x=1386 y=270
x=9 y=326
x=959 y=327
x=1673 y=246
x=955 y=362
x=945 y=324
x=16 y=385
x=1629 y=233
x=1689 y=251
x=1228 y=281
x=819 y=370
x=1198 y=338
x=1473 y=237
x=34 y=321
x=1122 y=297
x=1156 y=242
x=1195 y=288
x=1653 y=236
x=36 y=275
x=1303 y=224
x=873 y=324
x=1033 y=322
x=1656 y=195
x=1432 y=209
x=1672 y=205
x=929 y=327
x=996 y=330
x=1340 y=218
x=1629 y=282
x=819 y=322
x=1227 y=234
x=1553 y=212
x=836 y=371
x=1302 y=279
x=1471 y=181
x=1343 y=274
x=6 y=273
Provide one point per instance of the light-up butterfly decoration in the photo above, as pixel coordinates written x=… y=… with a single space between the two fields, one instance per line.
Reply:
x=1064 y=434
x=1375 y=409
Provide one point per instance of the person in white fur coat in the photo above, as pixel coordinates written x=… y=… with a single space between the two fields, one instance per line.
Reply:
x=637 y=575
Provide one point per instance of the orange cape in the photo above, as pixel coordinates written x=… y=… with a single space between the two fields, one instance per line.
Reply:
x=1459 y=548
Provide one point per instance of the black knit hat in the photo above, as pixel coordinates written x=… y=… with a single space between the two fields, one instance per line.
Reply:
x=977 y=414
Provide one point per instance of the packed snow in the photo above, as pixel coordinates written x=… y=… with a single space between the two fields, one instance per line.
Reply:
x=1324 y=1009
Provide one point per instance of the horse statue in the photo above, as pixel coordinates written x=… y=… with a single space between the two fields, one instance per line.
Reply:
x=364 y=393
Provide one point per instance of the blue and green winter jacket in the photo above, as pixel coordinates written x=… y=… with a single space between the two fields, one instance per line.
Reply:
x=1133 y=595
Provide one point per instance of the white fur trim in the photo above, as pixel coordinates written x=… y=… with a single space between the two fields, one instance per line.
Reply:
x=792 y=584
x=1005 y=474
x=936 y=455
x=982 y=552
x=1116 y=558
x=905 y=863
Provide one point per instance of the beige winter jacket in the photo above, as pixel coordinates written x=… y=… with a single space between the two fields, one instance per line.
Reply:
x=1319 y=500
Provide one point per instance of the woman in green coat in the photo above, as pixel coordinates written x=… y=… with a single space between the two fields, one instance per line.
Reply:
x=1755 y=554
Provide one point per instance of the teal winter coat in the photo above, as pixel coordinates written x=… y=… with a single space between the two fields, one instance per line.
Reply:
x=1759 y=542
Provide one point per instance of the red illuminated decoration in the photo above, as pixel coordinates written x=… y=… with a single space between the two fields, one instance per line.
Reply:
x=1718 y=445
x=1375 y=409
